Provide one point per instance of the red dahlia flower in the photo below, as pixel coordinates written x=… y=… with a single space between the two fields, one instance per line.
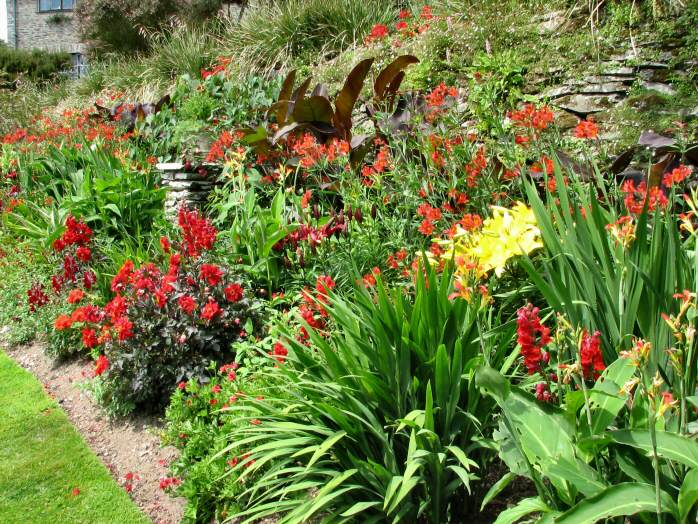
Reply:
x=188 y=304
x=211 y=310
x=234 y=293
x=211 y=273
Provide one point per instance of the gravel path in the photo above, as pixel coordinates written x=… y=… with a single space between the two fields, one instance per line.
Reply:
x=125 y=446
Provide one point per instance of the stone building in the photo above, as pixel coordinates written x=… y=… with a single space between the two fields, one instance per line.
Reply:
x=42 y=24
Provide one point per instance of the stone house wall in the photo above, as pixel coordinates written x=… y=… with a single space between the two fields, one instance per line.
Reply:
x=51 y=31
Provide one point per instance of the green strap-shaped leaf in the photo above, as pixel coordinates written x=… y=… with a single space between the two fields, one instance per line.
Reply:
x=523 y=508
x=617 y=501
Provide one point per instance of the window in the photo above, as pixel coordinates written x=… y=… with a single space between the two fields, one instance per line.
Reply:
x=56 y=5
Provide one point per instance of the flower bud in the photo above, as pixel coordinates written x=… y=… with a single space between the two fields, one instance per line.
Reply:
x=374 y=211
x=359 y=216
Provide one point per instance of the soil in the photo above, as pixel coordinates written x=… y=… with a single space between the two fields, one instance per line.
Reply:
x=128 y=445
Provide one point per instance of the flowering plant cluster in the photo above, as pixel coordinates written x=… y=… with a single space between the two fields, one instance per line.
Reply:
x=407 y=27
x=165 y=323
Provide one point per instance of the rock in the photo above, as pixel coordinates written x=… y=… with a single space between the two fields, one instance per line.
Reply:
x=654 y=75
x=605 y=88
x=622 y=71
x=550 y=22
x=624 y=57
x=689 y=114
x=584 y=105
x=665 y=89
x=565 y=120
x=652 y=65
x=557 y=92
x=646 y=101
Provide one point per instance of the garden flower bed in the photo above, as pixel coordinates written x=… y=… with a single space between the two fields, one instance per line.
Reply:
x=388 y=303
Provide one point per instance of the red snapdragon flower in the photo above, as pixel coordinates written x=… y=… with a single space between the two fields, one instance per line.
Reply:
x=532 y=336
x=592 y=357
x=280 y=352
x=63 y=322
x=166 y=246
x=198 y=233
x=84 y=254
x=122 y=278
x=124 y=328
x=37 y=297
x=89 y=338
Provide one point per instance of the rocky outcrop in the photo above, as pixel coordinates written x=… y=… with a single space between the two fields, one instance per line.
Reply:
x=190 y=189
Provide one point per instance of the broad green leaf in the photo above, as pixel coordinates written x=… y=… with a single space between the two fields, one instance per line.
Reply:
x=583 y=477
x=688 y=495
x=606 y=407
x=669 y=445
x=617 y=501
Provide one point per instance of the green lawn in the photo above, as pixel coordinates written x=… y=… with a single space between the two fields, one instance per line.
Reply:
x=43 y=460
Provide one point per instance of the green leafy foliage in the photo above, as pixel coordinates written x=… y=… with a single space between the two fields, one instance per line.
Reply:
x=382 y=418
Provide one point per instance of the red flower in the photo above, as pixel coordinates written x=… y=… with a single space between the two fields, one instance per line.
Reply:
x=166 y=246
x=587 y=129
x=63 y=322
x=84 y=253
x=234 y=292
x=676 y=176
x=116 y=308
x=89 y=338
x=592 y=357
x=427 y=227
x=122 y=278
x=532 y=336
x=378 y=32
x=102 y=365
x=124 y=327
x=211 y=310
x=76 y=296
x=188 y=304
x=37 y=297
x=198 y=233
x=211 y=273
x=280 y=352
x=217 y=388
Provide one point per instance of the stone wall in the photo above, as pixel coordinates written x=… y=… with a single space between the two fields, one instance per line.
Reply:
x=51 y=31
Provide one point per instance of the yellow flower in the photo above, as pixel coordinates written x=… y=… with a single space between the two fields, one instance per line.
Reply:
x=506 y=234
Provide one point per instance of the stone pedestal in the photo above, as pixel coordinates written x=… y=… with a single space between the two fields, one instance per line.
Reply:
x=191 y=189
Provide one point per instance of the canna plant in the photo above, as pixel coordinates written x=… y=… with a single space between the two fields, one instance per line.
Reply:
x=606 y=451
x=327 y=119
x=377 y=418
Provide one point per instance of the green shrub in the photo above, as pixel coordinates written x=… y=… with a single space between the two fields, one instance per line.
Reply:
x=34 y=65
